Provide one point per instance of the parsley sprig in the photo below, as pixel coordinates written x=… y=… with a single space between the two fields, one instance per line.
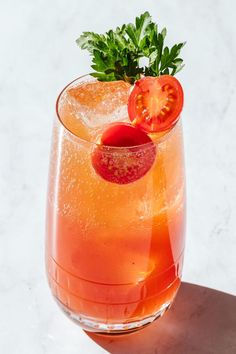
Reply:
x=116 y=54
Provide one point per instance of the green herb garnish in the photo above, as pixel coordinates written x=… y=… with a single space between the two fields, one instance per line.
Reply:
x=116 y=54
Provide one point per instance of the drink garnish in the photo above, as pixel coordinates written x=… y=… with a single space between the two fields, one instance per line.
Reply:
x=124 y=165
x=155 y=103
x=117 y=54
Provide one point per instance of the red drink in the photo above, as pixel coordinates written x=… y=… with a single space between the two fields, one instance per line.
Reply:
x=114 y=251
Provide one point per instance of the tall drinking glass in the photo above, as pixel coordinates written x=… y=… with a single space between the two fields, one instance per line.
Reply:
x=114 y=252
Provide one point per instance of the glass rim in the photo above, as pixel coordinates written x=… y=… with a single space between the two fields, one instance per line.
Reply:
x=96 y=144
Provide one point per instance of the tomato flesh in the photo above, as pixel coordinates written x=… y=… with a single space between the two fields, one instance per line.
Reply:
x=155 y=103
x=126 y=165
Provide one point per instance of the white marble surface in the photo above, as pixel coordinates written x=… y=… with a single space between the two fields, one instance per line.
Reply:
x=38 y=57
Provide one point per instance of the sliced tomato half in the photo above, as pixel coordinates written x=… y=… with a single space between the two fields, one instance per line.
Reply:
x=155 y=103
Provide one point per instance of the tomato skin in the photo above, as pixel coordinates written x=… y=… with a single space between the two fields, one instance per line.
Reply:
x=123 y=166
x=155 y=103
x=124 y=135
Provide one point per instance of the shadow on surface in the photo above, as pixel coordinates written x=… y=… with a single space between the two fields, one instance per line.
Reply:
x=201 y=321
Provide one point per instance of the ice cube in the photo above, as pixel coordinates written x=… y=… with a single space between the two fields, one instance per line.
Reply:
x=98 y=103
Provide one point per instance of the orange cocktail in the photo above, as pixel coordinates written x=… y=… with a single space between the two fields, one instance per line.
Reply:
x=114 y=252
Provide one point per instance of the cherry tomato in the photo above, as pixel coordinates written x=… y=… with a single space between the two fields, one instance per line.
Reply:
x=155 y=103
x=124 y=165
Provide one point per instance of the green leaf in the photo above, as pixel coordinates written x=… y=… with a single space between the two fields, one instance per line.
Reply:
x=116 y=54
x=166 y=72
x=160 y=43
x=153 y=57
x=103 y=76
x=99 y=60
x=131 y=31
x=142 y=24
x=164 y=32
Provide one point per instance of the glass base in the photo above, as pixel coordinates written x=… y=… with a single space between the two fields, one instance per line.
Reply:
x=92 y=325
